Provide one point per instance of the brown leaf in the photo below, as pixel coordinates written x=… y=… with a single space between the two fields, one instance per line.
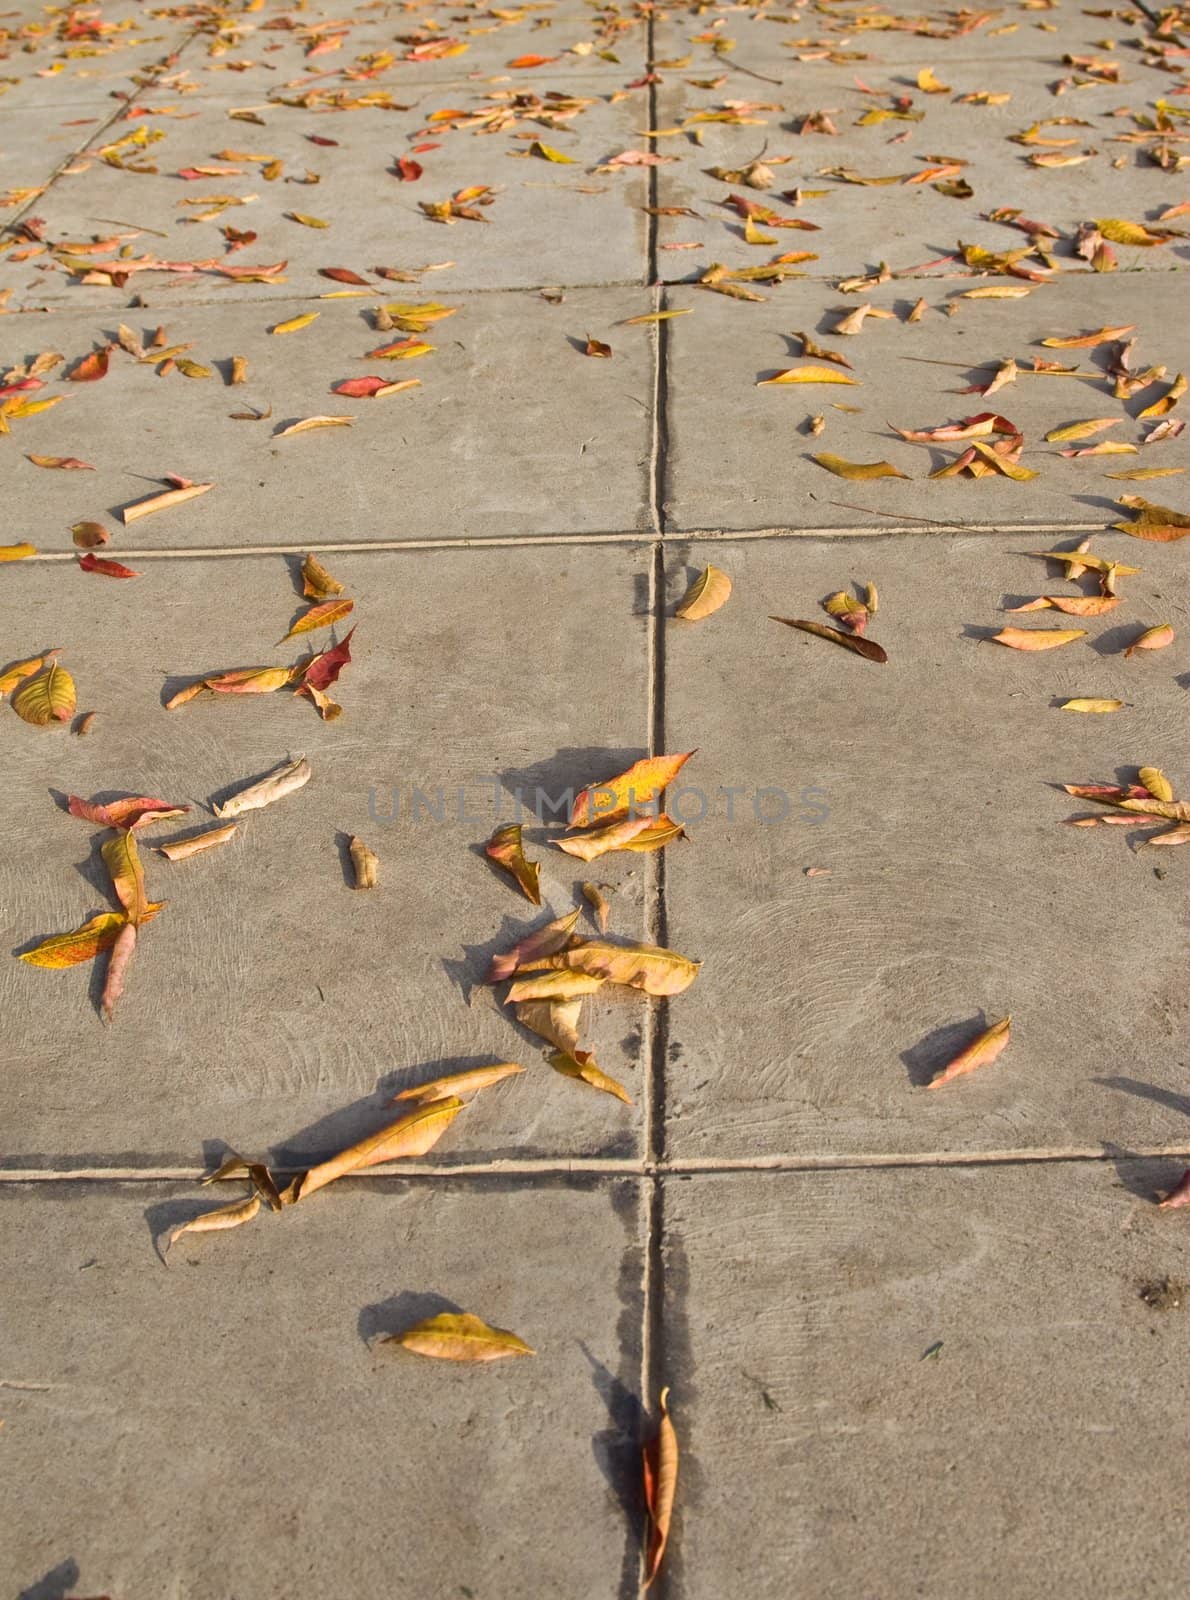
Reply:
x=364 y=863
x=979 y=1053
x=283 y=780
x=89 y=535
x=197 y=843
x=317 y=583
x=868 y=648
x=232 y=1216
x=660 y=1468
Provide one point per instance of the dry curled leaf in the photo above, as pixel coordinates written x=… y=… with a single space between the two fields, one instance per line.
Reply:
x=317 y=583
x=581 y=1065
x=868 y=648
x=506 y=849
x=118 y=962
x=308 y=424
x=136 y=811
x=364 y=863
x=459 y=1336
x=979 y=1053
x=275 y=785
x=162 y=502
x=458 y=1084
x=650 y=968
x=660 y=1469
x=197 y=843
x=710 y=590
x=544 y=941
x=231 y=1216
x=599 y=903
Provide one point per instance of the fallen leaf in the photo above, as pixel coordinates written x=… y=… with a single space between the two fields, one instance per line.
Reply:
x=283 y=780
x=710 y=590
x=317 y=583
x=553 y=1020
x=596 y=348
x=106 y=569
x=123 y=948
x=1082 y=430
x=858 y=469
x=868 y=648
x=806 y=375
x=1153 y=522
x=1086 y=341
x=308 y=423
x=47 y=697
x=543 y=941
x=459 y=1336
x=322 y=615
x=211 y=839
x=89 y=535
x=231 y=1216
x=1091 y=705
x=631 y=790
x=137 y=811
x=506 y=850
x=90 y=368
x=650 y=968
x=557 y=985
x=582 y=1066
x=20 y=670
x=629 y=833
x=979 y=1053
x=364 y=863
x=600 y=905
x=66 y=463
x=457 y=1084
x=128 y=879
x=1156 y=783
x=162 y=502
x=294 y=324
x=63 y=950
x=1038 y=638
x=17 y=552
x=660 y=1468
x=1155 y=638
x=411 y=1135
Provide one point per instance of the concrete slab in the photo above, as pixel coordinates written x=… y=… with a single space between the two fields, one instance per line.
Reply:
x=512 y=429
x=741 y=456
x=270 y=1005
x=372 y=218
x=916 y=222
x=927 y=790
x=266 y=1341
x=802 y=1313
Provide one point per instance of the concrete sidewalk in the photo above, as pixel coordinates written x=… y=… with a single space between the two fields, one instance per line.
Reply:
x=918 y=1345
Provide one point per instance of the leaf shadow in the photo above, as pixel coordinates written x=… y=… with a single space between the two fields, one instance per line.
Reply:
x=924 y=1060
x=544 y=788
x=1138 y=1174
x=346 y=865
x=54 y=1584
x=400 y=1311
x=164 y=1215
x=1112 y=641
x=1169 y=1098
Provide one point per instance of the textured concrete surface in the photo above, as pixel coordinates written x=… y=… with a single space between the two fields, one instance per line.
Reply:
x=295 y=1442
x=919 y=1383
x=918 y=1345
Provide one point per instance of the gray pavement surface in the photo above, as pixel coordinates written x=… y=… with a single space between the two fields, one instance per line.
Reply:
x=918 y=1344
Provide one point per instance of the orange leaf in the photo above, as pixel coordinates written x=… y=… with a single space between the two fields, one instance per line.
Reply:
x=321 y=616
x=660 y=1468
x=507 y=851
x=606 y=802
x=979 y=1053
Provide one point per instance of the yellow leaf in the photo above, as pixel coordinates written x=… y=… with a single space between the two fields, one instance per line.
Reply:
x=1156 y=638
x=981 y=1052
x=1134 y=233
x=1091 y=705
x=317 y=583
x=411 y=1135
x=48 y=697
x=322 y=615
x=710 y=590
x=559 y=985
x=294 y=323
x=807 y=375
x=1082 y=430
x=928 y=83
x=128 y=878
x=640 y=966
x=753 y=235
x=1010 y=469
x=554 y=1020
x=459 y=1336
x=629 y=833
x=81 y=944
x=192 y=369
x=606 y=802
x=548 y=153
x=308 y=423
x=461 y=1083
x=582 y=1066
x=652 y=316
x=17 y=552
x=998 y=291
x=507 y=851
x=306 y=222
x=857 y=469
x=20 y=670
x=1156 y=782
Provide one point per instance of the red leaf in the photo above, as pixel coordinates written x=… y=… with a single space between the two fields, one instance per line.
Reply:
x=109 y=569
x=327 y=665
x=343 y=275
x=133 y=812
x=360 y=388
x=408 y=171
x=318 y=138
x=90 y=367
